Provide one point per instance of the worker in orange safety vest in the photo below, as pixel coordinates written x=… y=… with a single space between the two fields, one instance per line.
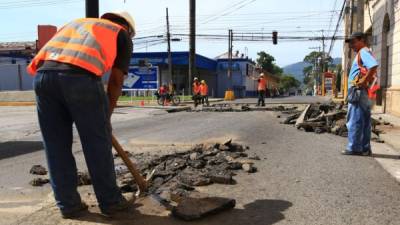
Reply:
x=261 y=89
x=68 y=84
x=196 y=92
x=204 y=93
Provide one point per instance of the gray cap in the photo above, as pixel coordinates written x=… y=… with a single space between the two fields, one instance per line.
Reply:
x=355 y=35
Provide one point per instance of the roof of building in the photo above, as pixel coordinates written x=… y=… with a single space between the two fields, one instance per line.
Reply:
x=236 y=56
x=17 y=49
x=9 y=46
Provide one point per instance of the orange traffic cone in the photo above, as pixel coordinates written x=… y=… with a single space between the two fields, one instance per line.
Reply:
x=142 y=103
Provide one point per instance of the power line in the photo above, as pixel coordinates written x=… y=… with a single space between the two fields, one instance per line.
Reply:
x=36 y=4
x=246 y=2
x=224 y=10
x=331 y=20
x=337 y=27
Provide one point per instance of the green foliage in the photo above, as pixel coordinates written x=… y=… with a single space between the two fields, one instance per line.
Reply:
x=308 y=76
x=267 y=63
x=314 y=56
x=287 y=82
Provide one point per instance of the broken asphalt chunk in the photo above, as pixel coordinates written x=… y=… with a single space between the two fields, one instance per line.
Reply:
x=249 y=168
x=84 y=179
x=196 y=208
x=38 y=170
x=221 y=177
x=37 y=182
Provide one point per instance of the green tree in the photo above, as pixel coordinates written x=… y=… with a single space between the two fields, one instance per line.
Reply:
x=307 y=72
x=314 y=58
x=287 y=82
x=267 y=63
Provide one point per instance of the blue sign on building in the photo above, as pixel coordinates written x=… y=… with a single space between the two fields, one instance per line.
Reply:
x=142 y=78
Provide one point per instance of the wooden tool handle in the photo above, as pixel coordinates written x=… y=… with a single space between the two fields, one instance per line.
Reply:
x=131 y=167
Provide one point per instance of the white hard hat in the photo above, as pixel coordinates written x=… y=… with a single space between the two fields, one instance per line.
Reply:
x=124 y=15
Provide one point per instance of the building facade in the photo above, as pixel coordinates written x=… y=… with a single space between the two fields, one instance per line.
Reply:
x=382 y=22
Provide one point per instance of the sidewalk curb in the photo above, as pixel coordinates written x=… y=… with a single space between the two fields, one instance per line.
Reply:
x=17 y=103
x=390 y=137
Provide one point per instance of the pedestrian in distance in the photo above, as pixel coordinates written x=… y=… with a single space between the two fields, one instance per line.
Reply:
x=362 y=73
x=204 y=93
x=68 y=84
x=196 y=92
x=164 y=93
x=261 y=89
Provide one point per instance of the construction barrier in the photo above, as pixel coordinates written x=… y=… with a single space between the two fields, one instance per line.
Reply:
x=229 y=95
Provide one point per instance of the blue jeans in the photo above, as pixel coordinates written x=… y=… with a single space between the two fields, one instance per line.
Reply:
x=63 y=99
x=359 y=125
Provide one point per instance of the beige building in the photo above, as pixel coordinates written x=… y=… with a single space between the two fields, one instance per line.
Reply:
x=382 y=23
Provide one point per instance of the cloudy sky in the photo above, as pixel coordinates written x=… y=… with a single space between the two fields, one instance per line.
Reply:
x=309 y=18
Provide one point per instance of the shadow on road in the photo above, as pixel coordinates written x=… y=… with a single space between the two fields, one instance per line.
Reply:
x=259 y=212
x=384 y=156
x=14 y=148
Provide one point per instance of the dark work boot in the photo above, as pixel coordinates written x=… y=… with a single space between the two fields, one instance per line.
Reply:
x=123 y=205
x=75 y=212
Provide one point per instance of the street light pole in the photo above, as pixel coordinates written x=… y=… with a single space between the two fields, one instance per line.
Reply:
x=92 y=8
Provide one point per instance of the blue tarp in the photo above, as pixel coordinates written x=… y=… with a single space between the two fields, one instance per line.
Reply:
x=178 y=58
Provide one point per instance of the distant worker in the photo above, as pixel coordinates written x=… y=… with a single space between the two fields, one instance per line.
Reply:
x=204 y=93
x=196 y=92
x=261 y=89
x=68 y=87
x=362 y=73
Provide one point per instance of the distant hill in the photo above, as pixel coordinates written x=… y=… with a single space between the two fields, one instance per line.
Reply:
x=296 y=69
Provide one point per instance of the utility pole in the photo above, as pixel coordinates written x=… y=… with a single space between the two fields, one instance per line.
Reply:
x=192 y=42
x=169 y=48
x=323 y=56
x=323 y=66
x=349 y=51
x=92 y=8
x=230 y=56
x=316 y=70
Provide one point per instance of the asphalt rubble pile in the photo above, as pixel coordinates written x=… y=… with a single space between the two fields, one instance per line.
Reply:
x=202 y=165
x=241 y=108
x=174 y=177
x=327 y=118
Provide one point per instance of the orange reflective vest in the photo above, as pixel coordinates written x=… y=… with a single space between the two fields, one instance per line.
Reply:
x=262 y=84
x=204 y=89
x=196 y=88
x=88 y=43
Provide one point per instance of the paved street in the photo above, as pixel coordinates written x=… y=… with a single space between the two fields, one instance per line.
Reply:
x=301 y=179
